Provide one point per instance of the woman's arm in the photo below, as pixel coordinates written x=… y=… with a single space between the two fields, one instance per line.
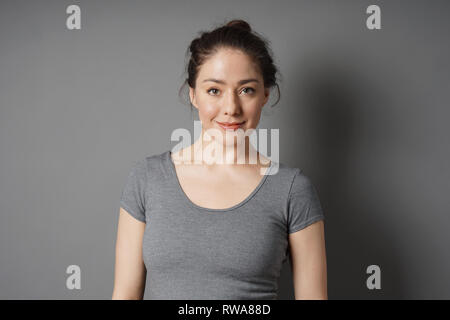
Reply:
x=308 y=262
x=130 y=272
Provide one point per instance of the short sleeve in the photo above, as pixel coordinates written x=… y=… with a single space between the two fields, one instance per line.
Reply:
x=304 y=207
x=133 y=194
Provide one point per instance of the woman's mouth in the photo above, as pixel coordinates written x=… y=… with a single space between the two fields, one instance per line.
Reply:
x=230 y=126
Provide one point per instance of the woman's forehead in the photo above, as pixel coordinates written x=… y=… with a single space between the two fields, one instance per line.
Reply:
x=229 y=65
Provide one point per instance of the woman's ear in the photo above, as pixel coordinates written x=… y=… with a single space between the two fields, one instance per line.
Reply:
x=266 y=95
x=192 y=96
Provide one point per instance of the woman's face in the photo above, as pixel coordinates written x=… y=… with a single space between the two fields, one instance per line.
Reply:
x=229 y=88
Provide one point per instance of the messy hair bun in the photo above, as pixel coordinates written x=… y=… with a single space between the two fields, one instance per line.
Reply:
x=241 y=24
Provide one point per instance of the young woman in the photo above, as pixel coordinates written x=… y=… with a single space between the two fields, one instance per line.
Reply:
x=202 y=230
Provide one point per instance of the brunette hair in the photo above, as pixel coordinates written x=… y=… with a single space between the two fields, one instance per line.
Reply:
x=235 y=34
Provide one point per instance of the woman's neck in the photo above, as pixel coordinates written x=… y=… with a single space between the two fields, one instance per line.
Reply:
x=212 y=152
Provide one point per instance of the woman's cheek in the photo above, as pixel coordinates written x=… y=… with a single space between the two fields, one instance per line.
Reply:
x=253 y=117
x=209 y=111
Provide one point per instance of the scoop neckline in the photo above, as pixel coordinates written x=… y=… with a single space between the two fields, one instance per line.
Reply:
x=168 y=158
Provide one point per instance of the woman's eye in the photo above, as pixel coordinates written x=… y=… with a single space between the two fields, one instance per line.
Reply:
x=248 y=88
x=214 y=93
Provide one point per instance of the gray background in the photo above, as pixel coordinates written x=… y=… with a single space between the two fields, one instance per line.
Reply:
x=364 y=113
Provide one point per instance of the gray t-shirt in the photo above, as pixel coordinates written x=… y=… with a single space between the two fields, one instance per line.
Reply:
x=191 y=252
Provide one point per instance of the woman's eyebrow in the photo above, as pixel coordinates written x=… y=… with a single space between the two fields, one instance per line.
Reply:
x=244 y=81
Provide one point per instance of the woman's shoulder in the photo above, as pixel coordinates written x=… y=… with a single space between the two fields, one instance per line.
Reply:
x=283 y=171
x=150 y=164
x=156 y=157
x=294 y=177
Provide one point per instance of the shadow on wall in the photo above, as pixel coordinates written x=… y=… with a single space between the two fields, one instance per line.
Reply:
x=336 y=102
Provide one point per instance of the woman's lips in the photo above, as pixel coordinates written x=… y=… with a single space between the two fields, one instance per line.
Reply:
x=232 y=127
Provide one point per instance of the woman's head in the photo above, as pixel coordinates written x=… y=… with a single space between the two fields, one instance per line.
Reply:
x=230 y=73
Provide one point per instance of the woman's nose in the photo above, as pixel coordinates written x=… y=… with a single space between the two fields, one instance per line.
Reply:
x=232 y=104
